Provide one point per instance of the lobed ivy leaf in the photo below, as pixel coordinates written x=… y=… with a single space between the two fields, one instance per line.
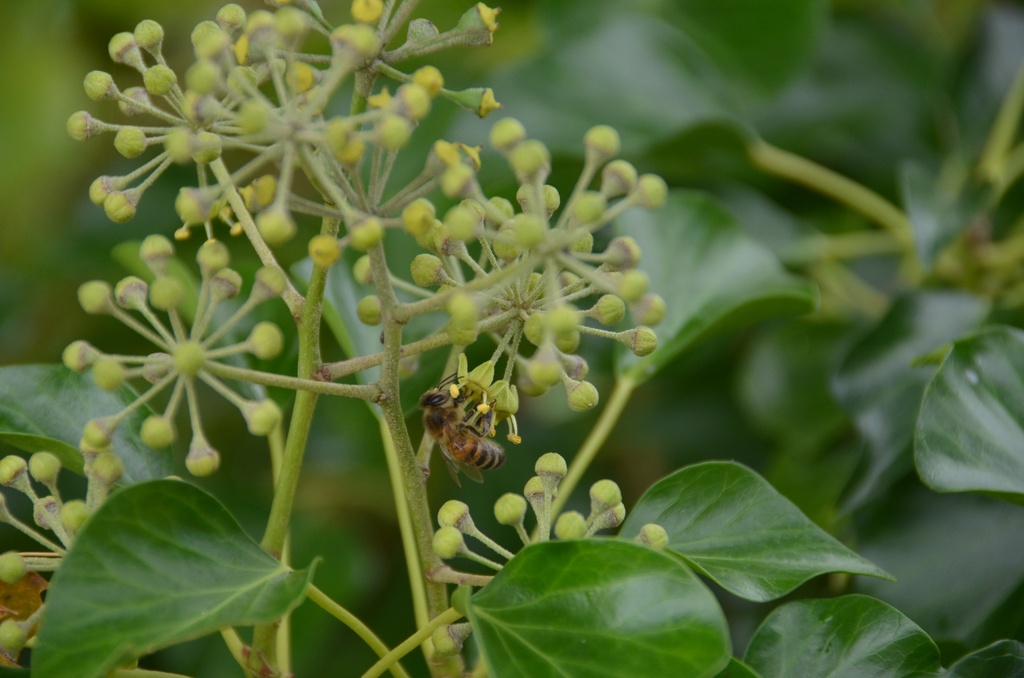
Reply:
x=970 y=431
x=45 y=407
x=851 y=635
x=729 y=524
x=712 y=275
x=601 y=608
x=1003 y=659
x=159 y=563
x=880 y=385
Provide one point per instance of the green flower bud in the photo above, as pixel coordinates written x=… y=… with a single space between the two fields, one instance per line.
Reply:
x=99 y=85
x=413 y=100
x=568 y=342
x=584 y=243
x=453 y=514
x=262 y=416
x=530 y=159
x=159 y=79
x=581 y=395
x=96 y=434
x=641 y=340
x=269 y=284
x=324 y=250
x=543 y=368
x=189 y=357
x=291 y=23
x=534 y=492
x=156 y=251
x=612 y=517
x=120 y=206
x=503 y=207
x=157 y=431
x=653 y=535
x=202 y=460
x=366 y=233
x=633 y=285
x=225 y=284
x=551 y=464
x=73 y=515
x=178 y=144
x=124 y=50
x=80 y=126
x=622 y=253
x=506 y=248
x=12 y=635
x=462 y=309
x=549 y=194
x=266 y=340
x=252 y=116
x=602 y=142
x=589 y=207
x=575 y=367
x=649 y=310
x=103 y=186
x=571 y=525
x=418 y=216
x=506 y=134
x=205 y=77
x=166 y=293
x=213 y=255
x=79 y=356
x=392 y=131
x=131 y=293
x=529 y=230
x=448 y=542
x=354 y=42
x=536 y=327
x=563 y=319
x=361 y=270
x=618 y=178
x=368 y=310
x=448 y=640
x=510 y=509
x=609 y=310
x=136 y=101
x=276 y=225
x=12 y=467
x=149 y=35
x=44 y=467
x=209 y=40
x=651 y=191
x=206 y=147
x=231 y=18
x=108 y=373
x=156 y=367
x=96 y=297
x=530 y=387
x=462 y=221
x=194 y=205
x=457 y=181
x=107 y=468
x=604 y=494
x=427 y=271
x=430 y=79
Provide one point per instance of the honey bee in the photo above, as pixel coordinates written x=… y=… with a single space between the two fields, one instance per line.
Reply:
x=461 y=436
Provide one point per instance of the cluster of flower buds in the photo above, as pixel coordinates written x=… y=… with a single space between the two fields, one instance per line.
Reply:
x=185 y=354
x=521 y=270
x=253 y=91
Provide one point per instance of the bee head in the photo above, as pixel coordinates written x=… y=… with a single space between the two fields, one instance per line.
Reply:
x=436 y=398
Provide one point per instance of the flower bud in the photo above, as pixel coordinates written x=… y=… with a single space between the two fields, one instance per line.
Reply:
x=194 y=205
x=209 y=40
x=612 y=517
x=457 y=180
x=392 y=131
x=563 y=318
x=107 y=468
x=633 y=285
x=96 y=297
x=530 y=387
x=156 y=251
x=581 y=395
x=149 y=35
x=202 y=460
x=189 y=357
x=571 y=525
x=543 y=368
x=367 y=11
x=276 y=225
x=510 y=509
x=418 y=216
x=622 y=253
x=506 y=134
x=449 y=638
x=44 y=467
x=618 y=178
x=136 y=101
x=530 y=159
x=231 y=18
x=124 y=50
x=269 y=284
x=653 y=535
x=528 y=229
x=568 y=342
x=366 y=233
x=120 y=206
x=213 y=255
x=575 y=366
x=589 y=207
x=12 y=468
x=252 y=116
x=429 y=78
x=354 y=43
x=108 y=373
x=503 y=208
x=225 y=284
x=651 y=191
x=261 y=417
x=324 y=250
x=551 y=465
x=157 y=431
x=159 y=79
x=131 y=293
x=96 y=434
x=608 y=310
x=12 y=635
x=448 y=542
x=427 y=271
x=604 y=494
x=602 y=142
x=361 y=271
x=178 y=144
x=549 y=194
x=413 y=100
x=641 y=340
x=99 y=85
x=103 y=186
x=536 y=327
x=166 y=293
x=156 y=367
x=73 y=515
x=453 y=514
x=462 y=220
x=266 y=340
x=206 y=147
x=79 y=356
x=291 y=23
x=650 y=309
x=506 y=248
x=368 y=310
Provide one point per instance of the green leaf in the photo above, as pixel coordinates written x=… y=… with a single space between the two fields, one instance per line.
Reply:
x=729 y=524
x=159 y=563
x=880 y=385
x=970 y=432
x=847 y=636
x=598 y=608
x=1004 y=659
x=737 y=669
x=712 y=275
x=45 y=407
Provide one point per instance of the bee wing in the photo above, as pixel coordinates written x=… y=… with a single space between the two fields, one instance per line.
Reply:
x=452 y=465
x=472 y=472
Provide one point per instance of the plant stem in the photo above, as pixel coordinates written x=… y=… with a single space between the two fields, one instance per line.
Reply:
x=350 y=620
x=362 y=391
x=410 y=643
x=1004 y=129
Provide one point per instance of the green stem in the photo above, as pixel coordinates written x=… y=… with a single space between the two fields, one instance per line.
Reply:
x=1004 y=129
x=598 y=435
x=413 y=641
x=362 y=391
x=350 y=620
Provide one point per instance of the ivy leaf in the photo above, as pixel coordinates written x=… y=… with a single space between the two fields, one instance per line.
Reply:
x=712 y=275
x=880 y=385
x=737 y=669
x=45 y=407
x=729 y=524
x=846 y=636
x=159 y=563
x=970 y=432
x=598 y=608
x=1004 y=659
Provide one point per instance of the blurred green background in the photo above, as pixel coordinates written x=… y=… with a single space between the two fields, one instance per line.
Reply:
x=860 y=86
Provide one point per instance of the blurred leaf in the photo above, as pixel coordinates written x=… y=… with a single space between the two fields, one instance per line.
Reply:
x=711 y=274
x=879 y=385
x=957 y=559
x=1004 y=659
x=846 y=636
x=970 y=431
x=157 y=564
x=46 y=407
x=598 y=608
x=729 y=524
x=737 y=669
